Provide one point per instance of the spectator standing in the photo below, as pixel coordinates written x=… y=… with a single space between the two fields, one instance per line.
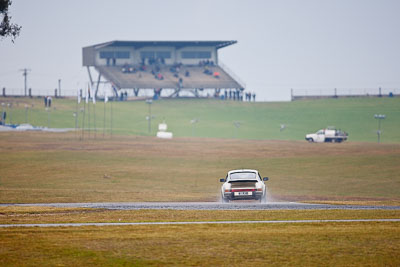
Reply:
x=49 y=101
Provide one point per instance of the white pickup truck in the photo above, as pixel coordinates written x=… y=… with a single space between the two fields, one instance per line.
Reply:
x=329 y=134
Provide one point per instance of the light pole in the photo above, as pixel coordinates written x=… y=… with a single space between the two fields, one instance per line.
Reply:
x=379 y=117
x=59 y=87
x=149 y=102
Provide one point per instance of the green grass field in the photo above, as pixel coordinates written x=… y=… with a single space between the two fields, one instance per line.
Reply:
x=216 y=118
x=37 y=167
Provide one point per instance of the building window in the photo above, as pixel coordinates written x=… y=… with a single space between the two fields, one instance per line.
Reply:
x=115 y=54
x=196 y=54
x=106 y=54
x=122 y=54
x=147 y=54
x=155 y=54
x=163 y=54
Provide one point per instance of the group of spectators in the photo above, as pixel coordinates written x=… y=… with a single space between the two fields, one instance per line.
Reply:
x=249 y=96
x=237 y=95
x=206 y=63
x=123 y=96
x=47 y=101
x=209 y=71
x=175 y=69
x=128 y=69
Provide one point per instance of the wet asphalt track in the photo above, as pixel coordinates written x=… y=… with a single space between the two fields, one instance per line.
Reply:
x=185 y=223
x=208 y=206
x=202 y=206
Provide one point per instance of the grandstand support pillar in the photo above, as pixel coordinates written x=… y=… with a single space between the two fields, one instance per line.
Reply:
x=136 y=91
x=97 y=86
x=175 y=93
x=90 y=76
x=195 y=92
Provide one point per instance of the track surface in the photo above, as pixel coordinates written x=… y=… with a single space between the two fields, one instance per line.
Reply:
x=183 y=223
x=208 y=206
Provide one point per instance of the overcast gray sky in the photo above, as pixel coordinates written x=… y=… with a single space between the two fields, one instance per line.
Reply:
x=310 y=44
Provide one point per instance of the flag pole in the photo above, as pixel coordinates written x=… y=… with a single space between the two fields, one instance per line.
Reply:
x=76 y=114
x=88 y=109
x=84 y=116
x=104 y=113
x=94 y=113
x=112 y=117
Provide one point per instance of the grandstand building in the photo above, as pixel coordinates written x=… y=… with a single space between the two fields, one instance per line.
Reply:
x=169 y=66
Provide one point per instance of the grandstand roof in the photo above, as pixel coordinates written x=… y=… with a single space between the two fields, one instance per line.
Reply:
x=177 y=44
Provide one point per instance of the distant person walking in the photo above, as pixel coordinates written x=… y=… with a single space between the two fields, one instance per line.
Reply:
x=45 y=101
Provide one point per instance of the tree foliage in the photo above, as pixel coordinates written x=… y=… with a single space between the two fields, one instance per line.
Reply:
x=6 y=27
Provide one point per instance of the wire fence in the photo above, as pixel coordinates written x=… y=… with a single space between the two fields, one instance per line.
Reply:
x=343 y=92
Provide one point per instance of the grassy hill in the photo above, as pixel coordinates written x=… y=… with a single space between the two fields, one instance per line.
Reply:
x=216 y=118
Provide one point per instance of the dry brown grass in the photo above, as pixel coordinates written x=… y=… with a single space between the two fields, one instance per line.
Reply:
x=45 y=167
x=324 y=244
x=14 y=215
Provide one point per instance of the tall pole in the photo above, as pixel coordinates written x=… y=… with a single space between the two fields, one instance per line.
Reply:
x=59 y=87
x=104 y=114
x=149 y=102
x=78 y=101
x=111 y=126
x=94 y=115
x=379 y=131
x=25 y=74
x=88 y=109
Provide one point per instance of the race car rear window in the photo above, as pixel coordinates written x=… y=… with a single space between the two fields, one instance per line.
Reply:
x=243 y=175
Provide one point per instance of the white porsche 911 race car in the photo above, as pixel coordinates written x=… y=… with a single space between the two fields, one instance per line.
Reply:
x=243 y=184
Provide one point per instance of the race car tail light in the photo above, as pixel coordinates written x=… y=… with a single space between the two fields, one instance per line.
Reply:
x=227 y=190
x=259 y=189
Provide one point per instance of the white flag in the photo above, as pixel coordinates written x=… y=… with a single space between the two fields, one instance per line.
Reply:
x=79 y=98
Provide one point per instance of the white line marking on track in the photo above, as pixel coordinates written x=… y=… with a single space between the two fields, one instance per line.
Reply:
x=186 y=223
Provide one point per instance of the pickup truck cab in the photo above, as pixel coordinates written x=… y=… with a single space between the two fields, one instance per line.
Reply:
x=329 y=134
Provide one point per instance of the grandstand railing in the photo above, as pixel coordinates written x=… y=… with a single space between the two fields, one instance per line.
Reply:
x=232 y=74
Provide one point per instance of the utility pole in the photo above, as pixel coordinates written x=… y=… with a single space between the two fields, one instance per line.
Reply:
x=25 y=74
